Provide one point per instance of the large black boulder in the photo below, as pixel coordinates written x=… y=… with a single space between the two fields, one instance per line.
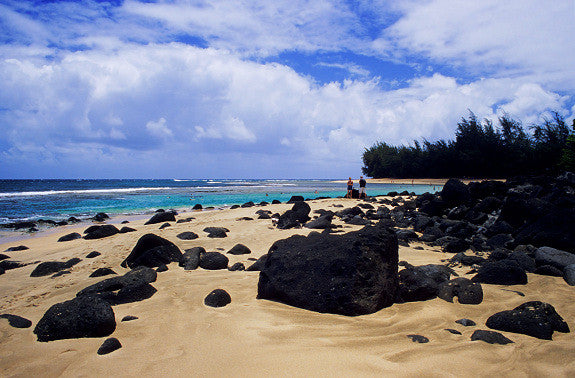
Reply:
x=213 y=261
x=50 y=267
x=102 y=232
x=86 y=316
x=165 y=216
x=133 y=286
x=455 y=193
x=350 y=274
x=502 y=272
x=152 y=251
x=537 y=319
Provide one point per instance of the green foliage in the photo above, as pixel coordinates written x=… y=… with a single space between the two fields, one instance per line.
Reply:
x=479 y=150
x=568 y=157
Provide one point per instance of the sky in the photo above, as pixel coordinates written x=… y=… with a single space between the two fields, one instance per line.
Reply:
x=265 y=89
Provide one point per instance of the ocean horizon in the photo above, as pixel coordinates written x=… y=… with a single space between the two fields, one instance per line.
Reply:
x=59 y=199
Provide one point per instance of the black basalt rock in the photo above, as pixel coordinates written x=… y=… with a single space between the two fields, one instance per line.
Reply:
x=191 y=258
x=218 y=298
x=133 y=286
x=350 y=274
x=50 y=267
x=537 y=319
x=490 y=337
x=187 y=235
x=166 y=216
x=213 y=261
x=102 y=232
x=17 y=248
x=503 y=272
x=152 y=251
x=111 y=344
x=455 y=193
x=17 y=321
x=216 y=232
x=466 y=291
x=87 y=316
x=70 y=237
x=239 y=249
x=100 y=272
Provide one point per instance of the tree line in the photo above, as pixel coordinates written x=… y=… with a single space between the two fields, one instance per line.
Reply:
x=480 y=149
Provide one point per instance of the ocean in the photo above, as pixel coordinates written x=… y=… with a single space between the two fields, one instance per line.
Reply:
x=60 y=199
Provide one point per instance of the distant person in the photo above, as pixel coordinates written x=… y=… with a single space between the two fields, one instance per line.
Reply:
x=349 y=188
x=362 y=184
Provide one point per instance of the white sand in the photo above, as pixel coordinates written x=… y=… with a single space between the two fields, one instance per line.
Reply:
x=177 y=335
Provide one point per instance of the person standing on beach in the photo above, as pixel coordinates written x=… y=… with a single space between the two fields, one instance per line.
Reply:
x=349 y=188
x=362 y=184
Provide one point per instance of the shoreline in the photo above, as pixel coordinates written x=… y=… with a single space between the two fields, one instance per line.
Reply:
x=174 y=329
x=417 y=181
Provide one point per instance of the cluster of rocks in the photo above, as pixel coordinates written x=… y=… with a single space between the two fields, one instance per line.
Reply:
x=91 y=314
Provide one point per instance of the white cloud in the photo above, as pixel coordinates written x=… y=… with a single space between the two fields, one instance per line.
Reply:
x=515 y=37
x=96 y=93
x=219 y=104
x=159 y=128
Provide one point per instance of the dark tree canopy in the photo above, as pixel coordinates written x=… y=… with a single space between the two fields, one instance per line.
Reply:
x=480 y=149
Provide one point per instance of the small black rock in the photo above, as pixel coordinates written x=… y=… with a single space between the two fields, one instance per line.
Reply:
x=217 y=298
x=162 y=268
x=129 y=318
x=100 y=272
x=490 y=337
x=109 y=346
x=418 y=339
x=466 y=322
x=17 y=321
x=69 y=237
x=236 y=267
x=18 y=248
x=188 y=235
x=454 y=331
x=93 y=254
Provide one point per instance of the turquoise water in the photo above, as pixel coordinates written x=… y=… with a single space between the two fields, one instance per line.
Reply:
x=60 y=199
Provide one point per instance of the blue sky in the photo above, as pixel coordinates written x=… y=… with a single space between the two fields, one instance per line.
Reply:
x=252 y=89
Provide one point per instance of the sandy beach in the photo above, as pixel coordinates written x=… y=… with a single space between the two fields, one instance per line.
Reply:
x=177 y=335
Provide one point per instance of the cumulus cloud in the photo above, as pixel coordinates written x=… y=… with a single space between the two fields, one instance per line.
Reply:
x=124 y=91
x=511 y=38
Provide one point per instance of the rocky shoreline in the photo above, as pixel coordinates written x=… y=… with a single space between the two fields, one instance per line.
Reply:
x=347 y=261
